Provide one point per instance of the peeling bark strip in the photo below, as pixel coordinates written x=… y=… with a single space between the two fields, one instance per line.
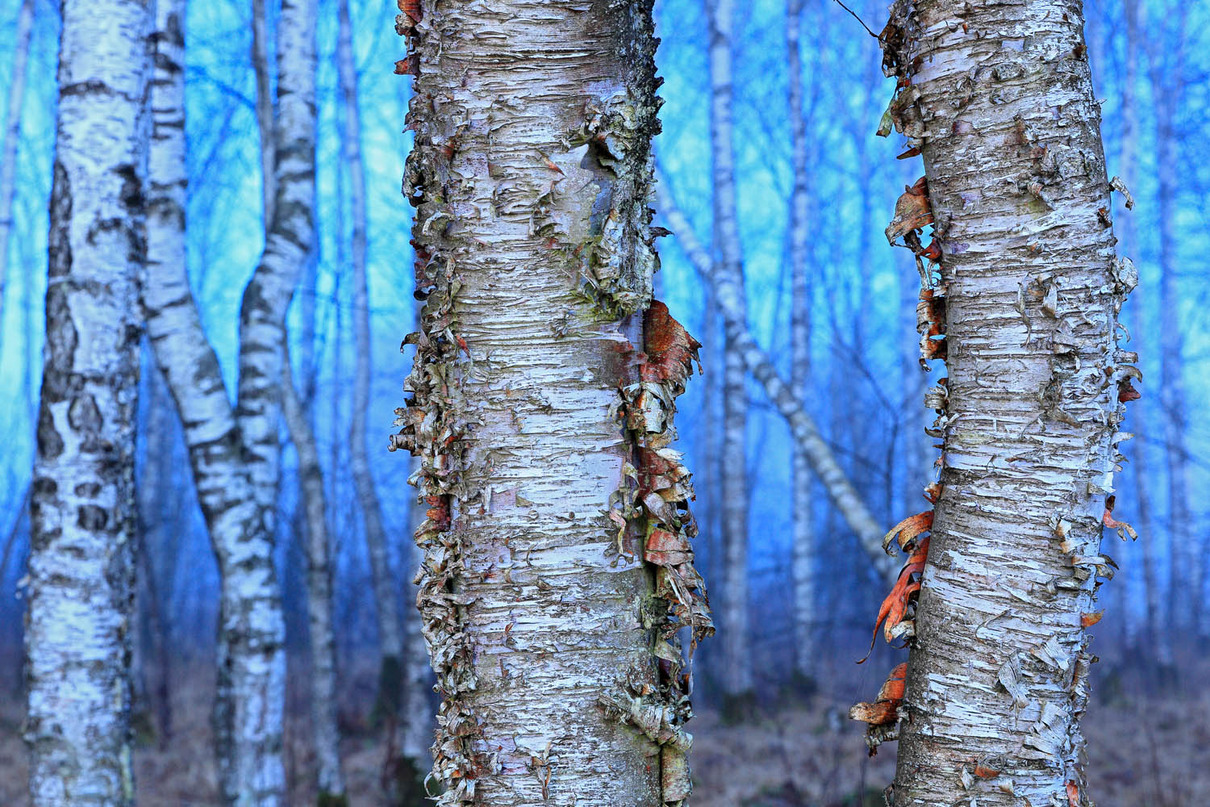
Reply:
x=998 y=97
x=81 y=566
x=557 y=566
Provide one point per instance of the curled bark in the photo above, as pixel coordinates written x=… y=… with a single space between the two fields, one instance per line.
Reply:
x=999 y=100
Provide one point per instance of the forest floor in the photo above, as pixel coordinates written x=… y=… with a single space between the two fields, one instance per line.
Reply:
x=1145 y=750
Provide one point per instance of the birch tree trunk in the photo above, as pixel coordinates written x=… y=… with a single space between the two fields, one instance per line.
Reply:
x=1158 y=638
x=802 y=563
x=390 y=631
x=733 y=613
x=251 y=683
x=82 y=560
x=325 y=730
x=1185 y=595
x=543 y=391
x=803 y=429
x=1000 y=99
x=12 y=137
x=288 y=242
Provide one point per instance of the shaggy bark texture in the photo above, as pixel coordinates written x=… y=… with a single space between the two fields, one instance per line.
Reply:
x=557 y=571
x=1000 y=99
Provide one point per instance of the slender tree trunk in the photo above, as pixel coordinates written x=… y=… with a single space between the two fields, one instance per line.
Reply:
x=326 y=732
x=390 y=631
x=288 y=244
x=544 y=451
x=733 y=612
x=264 y=108
x=235 y=485
x=803 y=429
x=12 y=136
x=82 y=560
x=1185 y=594
x=1001 y=102
x=1158 y=637
x=802 y=564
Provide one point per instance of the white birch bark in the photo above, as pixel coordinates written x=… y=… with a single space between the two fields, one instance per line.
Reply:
x=256 y=776
x=82 y=558
x=735 y=633
x=390 y=631
x=325 y=729
x=250 y=699
x=1000 y=98
x=12 y=136
x=264 y=108
x=288 y=243
x=802 y=561
x=803 y=429
x=533 y=250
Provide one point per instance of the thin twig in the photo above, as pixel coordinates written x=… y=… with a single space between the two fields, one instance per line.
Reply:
x=859 y=19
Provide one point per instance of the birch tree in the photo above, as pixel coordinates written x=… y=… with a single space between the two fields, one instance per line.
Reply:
x=1167 y=57
x=999 y=98
x=736 y=673
x=558 y=570
x=325 y=730
x=12 y=136
x=802 y=562
x=233 y=450
x=82 y=559
x=803 y=428
x=390 y=630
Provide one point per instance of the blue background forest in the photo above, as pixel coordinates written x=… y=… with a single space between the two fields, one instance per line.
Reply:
x=865 y=389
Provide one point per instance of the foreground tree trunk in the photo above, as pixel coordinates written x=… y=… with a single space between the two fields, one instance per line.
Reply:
x=736 y=636
x=1000 y=99
x=82 y=559
x=12 y=136
x=558 y=569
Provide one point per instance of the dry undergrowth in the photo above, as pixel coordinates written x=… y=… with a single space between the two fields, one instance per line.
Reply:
x=1144 y=751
